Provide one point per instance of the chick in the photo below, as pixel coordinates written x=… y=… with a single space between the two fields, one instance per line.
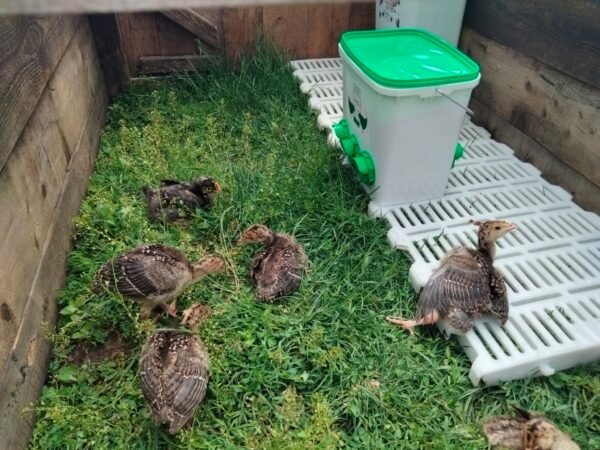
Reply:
x=277 y=269
x=154 y=275
x=175 y=199
x=174 y=367
x=465 y=285
x=526 y=431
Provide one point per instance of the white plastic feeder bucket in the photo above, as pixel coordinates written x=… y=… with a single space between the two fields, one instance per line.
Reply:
x=442 y=17
x=405 y=93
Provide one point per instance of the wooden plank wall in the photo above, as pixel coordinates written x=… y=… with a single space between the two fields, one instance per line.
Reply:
x=540 y=87
x=303 y=31
x=53 y=101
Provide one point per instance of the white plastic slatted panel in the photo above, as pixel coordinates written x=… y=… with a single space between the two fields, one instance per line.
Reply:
x=552 y=269
x=317 y=72
x=551 y=263
x=327 y=93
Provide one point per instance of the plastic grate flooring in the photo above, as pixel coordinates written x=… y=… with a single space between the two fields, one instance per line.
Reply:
x=551 y=263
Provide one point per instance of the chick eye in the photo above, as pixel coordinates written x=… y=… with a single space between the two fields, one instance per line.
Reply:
x=497 y=228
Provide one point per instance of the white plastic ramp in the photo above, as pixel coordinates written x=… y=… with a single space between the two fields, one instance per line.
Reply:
x=551 y=263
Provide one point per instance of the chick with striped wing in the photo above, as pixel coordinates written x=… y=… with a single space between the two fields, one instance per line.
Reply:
x=465 y=285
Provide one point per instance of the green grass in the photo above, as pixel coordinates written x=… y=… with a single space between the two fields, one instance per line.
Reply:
x=320 y=369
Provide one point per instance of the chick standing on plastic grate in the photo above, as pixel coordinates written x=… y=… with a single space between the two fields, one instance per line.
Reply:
x=465 y=285
x=526 y=431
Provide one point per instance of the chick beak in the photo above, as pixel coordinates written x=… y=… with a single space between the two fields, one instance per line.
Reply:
x=512 y=227
x=217 y=187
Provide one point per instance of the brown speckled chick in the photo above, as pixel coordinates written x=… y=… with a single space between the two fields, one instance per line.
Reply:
x=277 y=270
x=154 y=275
x=526 y=431
x=465 y=285
x=174 y=370
x=175 y=199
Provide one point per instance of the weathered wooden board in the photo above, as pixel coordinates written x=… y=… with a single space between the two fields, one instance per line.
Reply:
x=205 y=24
x=166 y=64
x=30 y=48
x=173 y=39
x=289 y=28
x=108 y=45
x=239 y=30
x=33 y=176
x=139 y=37
x=301 y=31
x=151 y=34
x=362 y=16
x=585 y=193
x=559 y=112
x=562 y=34
x=106 y=6
x=327 y=23
x=22 y=378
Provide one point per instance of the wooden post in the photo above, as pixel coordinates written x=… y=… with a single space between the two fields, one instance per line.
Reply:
x=108 y=44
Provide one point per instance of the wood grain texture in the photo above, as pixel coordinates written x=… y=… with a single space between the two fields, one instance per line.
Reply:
x=174 y=40
x=557 y=111
x=239 y=30
x=288 y=26
x=33 y=176
x=23 y=375
x=107 y=6
x=300 y=31
x=30 y=48
x=170 y=64
x=152 y=34
x=139 y=37
x=328 y=22
x=362 y=16
x=205 y=24
x=585 y=193
x=563 y=35
x=108 y=45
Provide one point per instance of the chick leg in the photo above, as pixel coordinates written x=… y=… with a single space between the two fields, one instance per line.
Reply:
x=171 y=310
x=409 y=325
x=146 y=310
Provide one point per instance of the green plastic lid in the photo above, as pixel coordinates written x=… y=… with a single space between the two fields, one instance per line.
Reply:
x=407 y=58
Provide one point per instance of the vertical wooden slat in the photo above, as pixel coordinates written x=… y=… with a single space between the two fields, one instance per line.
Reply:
x=139 y=37
x=319 y=39
x=112 y=60
x=289 y=27
x=239 y=29
x=362 y=16
x=328 y=22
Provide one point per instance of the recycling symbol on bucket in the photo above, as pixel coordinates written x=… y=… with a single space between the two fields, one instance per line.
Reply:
x=359 y=120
